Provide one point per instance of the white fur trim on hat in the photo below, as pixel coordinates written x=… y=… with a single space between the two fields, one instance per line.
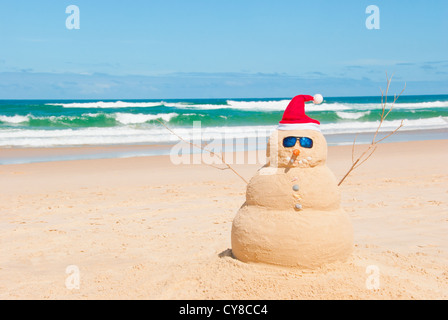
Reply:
x=299 y=126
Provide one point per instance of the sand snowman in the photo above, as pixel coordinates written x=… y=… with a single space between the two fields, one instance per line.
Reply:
x=292 y=214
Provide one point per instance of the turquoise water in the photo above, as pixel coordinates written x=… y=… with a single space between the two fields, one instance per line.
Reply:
x=48 y=123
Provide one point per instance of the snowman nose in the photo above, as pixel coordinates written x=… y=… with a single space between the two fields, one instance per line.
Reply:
x=295 y=154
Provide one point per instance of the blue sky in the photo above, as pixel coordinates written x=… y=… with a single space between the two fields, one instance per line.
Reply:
x=211 y=49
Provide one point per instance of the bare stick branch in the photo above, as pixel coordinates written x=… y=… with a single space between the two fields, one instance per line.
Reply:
x=216 y=167
x=373 y=145
x=203 y=148
x=398 y=128
x=353 y=149
x=367 y=157
x=348 y=172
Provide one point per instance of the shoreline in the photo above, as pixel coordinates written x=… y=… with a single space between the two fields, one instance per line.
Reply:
x=69 y=153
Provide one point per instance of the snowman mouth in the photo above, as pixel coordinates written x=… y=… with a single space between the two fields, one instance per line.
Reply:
x=305 y=161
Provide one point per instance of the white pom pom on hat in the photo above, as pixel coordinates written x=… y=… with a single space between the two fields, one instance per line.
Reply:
x=318 y=99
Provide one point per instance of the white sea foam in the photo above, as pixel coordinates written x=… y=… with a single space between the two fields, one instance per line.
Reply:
x=130 y=118
x=326 y=106
x=258 y=105
x=398 y=105
x=335 y=106
x=352 y=115
x=155 y=135
x=88 y=136
x=231 y=104
x=185 y=105
x=281 y=106
x=14 y=119
x=119 y=135
x=124 y=118
x=371 y=126
x=104 y=105
x=422 y=105
x=268 y=105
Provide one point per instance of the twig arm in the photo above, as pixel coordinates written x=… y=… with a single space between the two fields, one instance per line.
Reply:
x=202 y=148
x=373 y=145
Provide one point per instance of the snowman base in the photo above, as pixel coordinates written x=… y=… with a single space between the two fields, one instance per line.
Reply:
x=307 y=239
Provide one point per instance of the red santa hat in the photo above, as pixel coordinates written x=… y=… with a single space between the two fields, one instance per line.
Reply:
x=294 y=117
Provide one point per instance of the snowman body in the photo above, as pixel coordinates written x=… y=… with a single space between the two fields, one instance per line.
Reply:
x=292 y=214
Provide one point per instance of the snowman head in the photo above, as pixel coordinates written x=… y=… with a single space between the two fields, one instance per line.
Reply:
x=297 y=149
x=298 y=141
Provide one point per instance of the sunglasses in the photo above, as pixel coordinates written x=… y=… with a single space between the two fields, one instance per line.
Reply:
x=305 y=142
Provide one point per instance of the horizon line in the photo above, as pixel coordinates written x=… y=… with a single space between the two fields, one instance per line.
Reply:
x=221 y=98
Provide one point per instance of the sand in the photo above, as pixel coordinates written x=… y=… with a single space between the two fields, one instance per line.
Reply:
x=143 y=228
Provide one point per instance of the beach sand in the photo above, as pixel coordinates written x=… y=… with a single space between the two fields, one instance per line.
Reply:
x=144 y=228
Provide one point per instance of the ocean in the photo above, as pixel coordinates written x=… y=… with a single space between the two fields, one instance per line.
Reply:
x=65 y=123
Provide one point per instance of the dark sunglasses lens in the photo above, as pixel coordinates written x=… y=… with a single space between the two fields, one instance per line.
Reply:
x=289 y=142
x=306 y=142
